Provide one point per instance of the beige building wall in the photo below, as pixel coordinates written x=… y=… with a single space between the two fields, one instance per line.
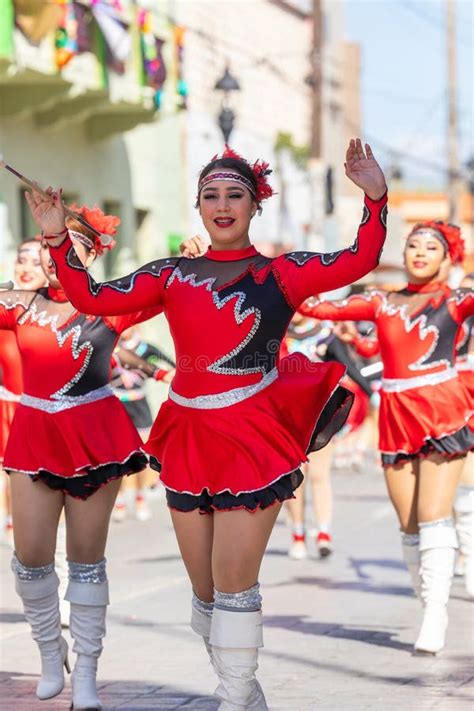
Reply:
x=266 y=46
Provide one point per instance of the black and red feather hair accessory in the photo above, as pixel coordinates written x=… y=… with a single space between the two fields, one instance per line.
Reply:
x=448 y=234
x=105 y=224
x=262 y=190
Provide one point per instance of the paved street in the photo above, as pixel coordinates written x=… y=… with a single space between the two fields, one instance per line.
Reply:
x=338 y=633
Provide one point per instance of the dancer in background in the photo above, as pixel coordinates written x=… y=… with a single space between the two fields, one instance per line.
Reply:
x=318 y=343
x=425 y=412
x=135 y=362
x=29 y=276
x=80 y=443
x=238 y=424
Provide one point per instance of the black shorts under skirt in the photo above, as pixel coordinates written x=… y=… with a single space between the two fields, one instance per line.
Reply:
x=81 y=487
x=279 y=491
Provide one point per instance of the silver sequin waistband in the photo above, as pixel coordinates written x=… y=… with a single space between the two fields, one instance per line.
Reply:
x=397 y=385
x=7 y=395
x=230 y=397
x=65 y=403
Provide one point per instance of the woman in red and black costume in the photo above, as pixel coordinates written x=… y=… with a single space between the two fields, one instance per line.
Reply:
x=425 y=430
x=29 y=276
x=238 y=424
x=80 y=443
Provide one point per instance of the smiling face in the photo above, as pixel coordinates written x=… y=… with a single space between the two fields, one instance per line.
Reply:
x=226 y=208
x=28 y=272
x=425 y=257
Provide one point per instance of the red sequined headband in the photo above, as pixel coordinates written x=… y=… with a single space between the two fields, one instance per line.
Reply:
x=105 y=224
x=260 y=170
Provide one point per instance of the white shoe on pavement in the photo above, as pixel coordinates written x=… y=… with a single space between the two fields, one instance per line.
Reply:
x=142 y=510
x=298 y=550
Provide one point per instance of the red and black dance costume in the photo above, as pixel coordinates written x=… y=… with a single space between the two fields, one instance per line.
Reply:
x=424 y=406
x=238 y=423
x=11 y=385
x=69 y=429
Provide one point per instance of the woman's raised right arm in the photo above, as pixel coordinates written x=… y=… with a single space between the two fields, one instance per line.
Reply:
x=142 y=289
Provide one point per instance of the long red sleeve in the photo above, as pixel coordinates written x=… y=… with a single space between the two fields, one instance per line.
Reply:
x=355 y=308
x=140 y=290
x=306 y=273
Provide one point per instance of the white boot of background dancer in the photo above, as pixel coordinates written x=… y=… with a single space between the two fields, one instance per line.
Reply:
x=201 y=618
x=412 y=558
x=464 y=512
x=61 y=566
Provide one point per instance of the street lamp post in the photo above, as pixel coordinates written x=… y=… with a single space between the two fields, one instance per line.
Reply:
x=226 y=119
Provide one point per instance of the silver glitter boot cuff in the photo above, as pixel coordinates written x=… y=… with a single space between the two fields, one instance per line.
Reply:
x=26 y=574
x=206 y=608
x=245 y=601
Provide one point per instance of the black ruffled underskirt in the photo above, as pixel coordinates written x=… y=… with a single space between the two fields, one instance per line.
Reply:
x=81 y=487
x=277 y=492
x=451 y=446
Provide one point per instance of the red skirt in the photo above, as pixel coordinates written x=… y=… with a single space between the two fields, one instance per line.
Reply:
x=359 y=410
x=76 y=450
x=7 y=411
x=420 y=421
x=247 y=447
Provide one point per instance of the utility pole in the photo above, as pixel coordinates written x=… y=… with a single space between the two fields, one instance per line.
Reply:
x=454 y=180
x=315 y=163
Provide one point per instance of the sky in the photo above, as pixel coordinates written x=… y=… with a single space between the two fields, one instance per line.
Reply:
x=404 y=81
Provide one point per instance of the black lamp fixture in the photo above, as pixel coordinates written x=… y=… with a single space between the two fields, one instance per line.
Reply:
x=226 y=119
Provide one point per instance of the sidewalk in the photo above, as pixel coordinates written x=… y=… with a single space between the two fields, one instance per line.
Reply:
x=338 y=632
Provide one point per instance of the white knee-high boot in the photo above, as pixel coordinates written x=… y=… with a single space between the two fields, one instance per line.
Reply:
x=464 y=510
x=438 y=545
x=201 y=618
x=236 y=635
x=412 y=558
x=88 y=594
x=38 y=589
x=60 y=564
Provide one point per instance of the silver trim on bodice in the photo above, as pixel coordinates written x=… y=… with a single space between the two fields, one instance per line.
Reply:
x=66 y=403
x=398 y=385
x=225 y=399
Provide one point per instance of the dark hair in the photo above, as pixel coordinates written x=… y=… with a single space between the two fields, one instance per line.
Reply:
x=77 y=226
x=239 y=166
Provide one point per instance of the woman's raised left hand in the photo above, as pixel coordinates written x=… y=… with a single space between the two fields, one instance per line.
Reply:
x=362 y=168
x=47 y=210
